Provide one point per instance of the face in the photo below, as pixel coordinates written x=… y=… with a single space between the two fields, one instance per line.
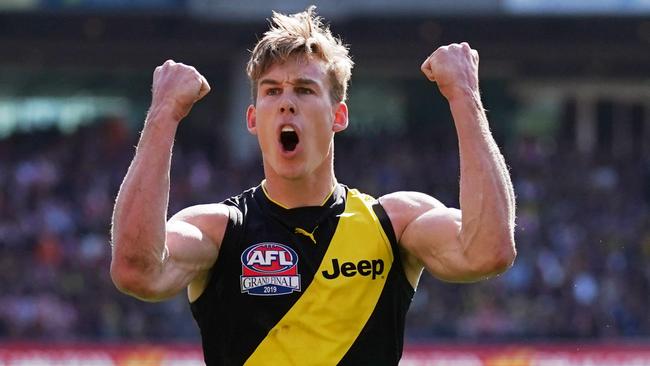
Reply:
x=295 y=119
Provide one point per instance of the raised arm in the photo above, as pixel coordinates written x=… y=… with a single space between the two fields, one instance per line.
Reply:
x=476 y=241
x=153 y=259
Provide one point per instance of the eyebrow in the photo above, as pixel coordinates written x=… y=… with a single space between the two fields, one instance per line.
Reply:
x=304 y=81
x=298 y=81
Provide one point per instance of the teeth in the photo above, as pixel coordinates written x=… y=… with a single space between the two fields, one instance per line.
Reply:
x=287 y=129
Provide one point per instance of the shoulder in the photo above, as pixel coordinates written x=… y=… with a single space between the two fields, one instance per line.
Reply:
x=197 y=213
x=213 y=219
x=210 y=219
x=405 y=207
x=221 y=212
x=409 y=200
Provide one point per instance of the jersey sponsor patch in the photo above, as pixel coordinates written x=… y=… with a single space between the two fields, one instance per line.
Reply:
x=373 y=268
x=269 y=269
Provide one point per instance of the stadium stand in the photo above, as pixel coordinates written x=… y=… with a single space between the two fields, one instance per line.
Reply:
x=583 y=236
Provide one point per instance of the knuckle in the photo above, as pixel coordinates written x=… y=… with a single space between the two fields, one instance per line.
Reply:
x=187 y=69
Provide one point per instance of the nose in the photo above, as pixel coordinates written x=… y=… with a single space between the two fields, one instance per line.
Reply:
x=287 y=106
x=291 y=110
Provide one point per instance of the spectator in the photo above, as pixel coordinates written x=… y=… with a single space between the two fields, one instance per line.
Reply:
x=583 y=236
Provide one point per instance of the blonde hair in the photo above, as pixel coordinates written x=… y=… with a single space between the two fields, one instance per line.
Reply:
x=301 y=35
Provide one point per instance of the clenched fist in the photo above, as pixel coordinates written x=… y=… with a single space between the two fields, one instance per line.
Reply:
x=177 y=86
x=454 y=68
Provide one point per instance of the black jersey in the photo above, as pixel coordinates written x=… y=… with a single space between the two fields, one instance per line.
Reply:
x=319 y=285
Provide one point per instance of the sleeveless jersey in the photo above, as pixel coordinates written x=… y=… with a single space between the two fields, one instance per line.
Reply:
x=321 y=285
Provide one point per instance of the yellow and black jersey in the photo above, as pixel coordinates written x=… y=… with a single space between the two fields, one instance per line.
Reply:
x=319 y=285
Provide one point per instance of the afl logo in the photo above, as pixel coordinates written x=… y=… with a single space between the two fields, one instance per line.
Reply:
x=269 y=258
x=269 y=269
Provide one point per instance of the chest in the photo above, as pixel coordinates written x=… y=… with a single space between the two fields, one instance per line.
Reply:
x=272 y=258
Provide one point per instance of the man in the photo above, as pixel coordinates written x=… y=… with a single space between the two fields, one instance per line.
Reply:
x=302 y=270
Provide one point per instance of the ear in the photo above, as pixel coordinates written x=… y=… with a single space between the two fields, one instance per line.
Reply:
x=340 y=117
x=251 y=121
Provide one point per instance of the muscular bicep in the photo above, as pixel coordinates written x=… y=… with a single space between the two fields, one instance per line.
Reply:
x=193 y=237
x=433 y=237
x=190 y=246
x=429 y=233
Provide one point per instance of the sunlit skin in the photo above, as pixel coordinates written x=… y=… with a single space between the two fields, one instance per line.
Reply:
x=296 y=94
x=154 y=259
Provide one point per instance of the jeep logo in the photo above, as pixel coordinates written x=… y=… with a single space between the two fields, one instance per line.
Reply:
x=348 y=269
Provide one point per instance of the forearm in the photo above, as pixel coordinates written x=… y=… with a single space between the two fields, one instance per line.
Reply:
x=139 y=216
x=486 y=195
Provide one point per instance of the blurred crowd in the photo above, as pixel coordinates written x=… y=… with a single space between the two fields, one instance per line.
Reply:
x=583 y=237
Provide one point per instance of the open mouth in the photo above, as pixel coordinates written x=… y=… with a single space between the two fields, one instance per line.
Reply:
x=288 y=138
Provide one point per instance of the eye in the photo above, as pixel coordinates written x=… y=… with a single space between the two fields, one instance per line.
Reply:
x=273 y=91
x=303 y=90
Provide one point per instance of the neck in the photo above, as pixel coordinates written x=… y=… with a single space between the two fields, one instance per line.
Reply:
x=311 y=190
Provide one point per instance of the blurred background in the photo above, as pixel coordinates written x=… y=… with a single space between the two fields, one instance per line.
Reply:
x=567 y=89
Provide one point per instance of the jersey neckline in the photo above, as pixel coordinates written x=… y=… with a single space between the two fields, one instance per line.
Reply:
x=306 y=217
x=337 y=193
